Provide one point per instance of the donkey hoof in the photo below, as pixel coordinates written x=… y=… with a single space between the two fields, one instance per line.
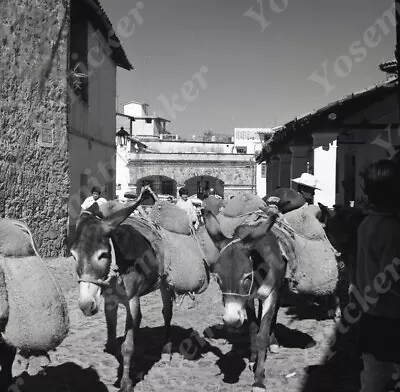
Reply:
x=258 y=388
x=166 y=357
x=126 y=387
x=274 y=348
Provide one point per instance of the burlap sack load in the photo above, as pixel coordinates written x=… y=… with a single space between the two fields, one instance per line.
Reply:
x=170 y=217
x=209 y=250
x=237 y=210
x=14 y=241
x=37 y=311
x=184 y=267
x=38 y=316
x=314 y=270
x=181 y=256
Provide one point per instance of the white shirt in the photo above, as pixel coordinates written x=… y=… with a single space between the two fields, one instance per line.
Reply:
x=90 y=200
x=190 y=210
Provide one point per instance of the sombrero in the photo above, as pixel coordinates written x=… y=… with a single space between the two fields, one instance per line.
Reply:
x=307 y=179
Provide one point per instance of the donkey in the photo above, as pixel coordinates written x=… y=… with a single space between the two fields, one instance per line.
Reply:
x=96 y=239
x=250 y=266
x=341 y=227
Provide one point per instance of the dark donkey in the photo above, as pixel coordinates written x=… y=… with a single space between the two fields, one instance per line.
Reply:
x=95 y=241
x=341 y=227
x=250 y=266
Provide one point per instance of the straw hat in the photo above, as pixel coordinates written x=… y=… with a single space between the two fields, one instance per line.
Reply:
x=307 y=179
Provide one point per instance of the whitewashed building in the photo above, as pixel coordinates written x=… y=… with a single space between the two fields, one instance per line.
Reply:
x=250 y=141
x=336 y=142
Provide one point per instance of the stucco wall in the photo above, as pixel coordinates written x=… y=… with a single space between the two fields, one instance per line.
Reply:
x=92 y=128
x=34 y=181
x=179 y=146
x=92 y=165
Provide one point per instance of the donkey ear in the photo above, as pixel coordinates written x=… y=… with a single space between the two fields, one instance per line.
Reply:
x=213 y=228
x=326 y=214
x=251 y=233
x=117 y=217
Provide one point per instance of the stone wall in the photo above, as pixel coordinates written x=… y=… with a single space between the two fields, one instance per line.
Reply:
x=236 y=175
x=34 y=183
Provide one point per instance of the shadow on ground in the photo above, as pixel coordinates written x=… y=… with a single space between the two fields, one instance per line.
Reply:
x=303 y=307
x=232 y=364
x=149 y=346
x=68 y=377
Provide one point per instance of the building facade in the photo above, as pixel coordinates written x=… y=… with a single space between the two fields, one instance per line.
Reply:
x=250 y=141
x=57 y=113
x=337 y=142
x=168 y=162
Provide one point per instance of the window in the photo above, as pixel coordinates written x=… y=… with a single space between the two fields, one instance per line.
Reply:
x=78 y=74
x=263 y=170
x=241 y=150
x=46 y=136
x=83 y=183
x=110 y=185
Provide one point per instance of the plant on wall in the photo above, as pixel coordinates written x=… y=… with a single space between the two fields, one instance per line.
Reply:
x=78 y=79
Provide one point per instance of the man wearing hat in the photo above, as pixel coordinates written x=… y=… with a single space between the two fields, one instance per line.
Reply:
x=306 y=186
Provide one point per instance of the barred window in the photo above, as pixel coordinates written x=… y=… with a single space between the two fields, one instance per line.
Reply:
x=241 y=150
x=263 y=170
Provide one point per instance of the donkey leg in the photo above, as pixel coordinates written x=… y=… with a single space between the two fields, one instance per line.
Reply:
x=263 y=339
x=167 y=297
x=273 y=341
x=253 y=329
x=7 y=356
x=4 y=308
x=111 y=313
x=128 y=346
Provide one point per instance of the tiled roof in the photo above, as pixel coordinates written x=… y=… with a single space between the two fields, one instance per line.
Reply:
x=118 y=53
x=341 y=109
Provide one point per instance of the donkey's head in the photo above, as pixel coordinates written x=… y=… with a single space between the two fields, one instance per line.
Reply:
x=91 y=249
x=236 y=269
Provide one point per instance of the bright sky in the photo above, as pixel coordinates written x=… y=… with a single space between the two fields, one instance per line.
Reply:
x=236 y=75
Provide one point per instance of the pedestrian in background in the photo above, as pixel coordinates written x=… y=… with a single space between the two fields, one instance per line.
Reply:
x=378 y=256
x=94 y=198
x=186 y=204
x=306 y=186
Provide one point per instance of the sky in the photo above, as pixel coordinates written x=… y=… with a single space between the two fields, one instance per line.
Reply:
x=220 y=64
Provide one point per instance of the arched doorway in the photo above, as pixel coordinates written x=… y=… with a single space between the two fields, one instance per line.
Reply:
x=161 y=185
x=200 y=185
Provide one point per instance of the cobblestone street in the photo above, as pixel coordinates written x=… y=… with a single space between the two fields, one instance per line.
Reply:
x=221 y=364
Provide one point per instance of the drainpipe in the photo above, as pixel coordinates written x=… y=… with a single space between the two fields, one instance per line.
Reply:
x=397 y=51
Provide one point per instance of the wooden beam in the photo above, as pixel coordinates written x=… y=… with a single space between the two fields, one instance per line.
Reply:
x=397 y=50
x=127 y=116
x=362 y=126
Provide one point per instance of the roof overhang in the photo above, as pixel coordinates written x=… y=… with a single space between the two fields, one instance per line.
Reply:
x=331 y=116
x=100 y=21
